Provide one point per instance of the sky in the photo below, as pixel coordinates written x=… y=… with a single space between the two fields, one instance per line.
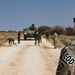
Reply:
x=20 y=14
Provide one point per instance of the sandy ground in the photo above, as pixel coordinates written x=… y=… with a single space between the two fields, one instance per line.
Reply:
x=28 y=59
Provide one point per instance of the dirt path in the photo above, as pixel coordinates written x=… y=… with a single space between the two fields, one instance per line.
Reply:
x=28 y=59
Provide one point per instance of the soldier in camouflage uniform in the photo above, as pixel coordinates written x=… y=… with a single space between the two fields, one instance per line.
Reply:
x=66 y=64
x=37 y=37
x=11 y=41
x=47 y=37
x=55 y=39
x=19 y=37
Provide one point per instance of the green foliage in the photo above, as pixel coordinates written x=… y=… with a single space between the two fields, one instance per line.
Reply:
x=58 y=29
x=43 y=29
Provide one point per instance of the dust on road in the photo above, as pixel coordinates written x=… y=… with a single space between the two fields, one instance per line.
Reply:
x=28 y=59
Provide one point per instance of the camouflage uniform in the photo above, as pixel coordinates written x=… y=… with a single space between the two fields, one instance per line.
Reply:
x=19 y=37
x=66 y=64
x=11 y=41
x=55 y=39
x=37 y=37
x=47 y=37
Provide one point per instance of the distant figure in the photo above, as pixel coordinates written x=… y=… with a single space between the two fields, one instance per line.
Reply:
x=40 y=37
x=37 y=37
x=55 y=39
x=47 y=37
x=19 y=37
x=11 y=41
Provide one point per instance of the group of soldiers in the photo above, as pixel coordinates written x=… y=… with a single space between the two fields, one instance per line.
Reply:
x=66 y=65
x=38 y=39
x=37 y=36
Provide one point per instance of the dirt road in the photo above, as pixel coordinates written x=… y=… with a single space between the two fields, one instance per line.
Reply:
x=28 y=59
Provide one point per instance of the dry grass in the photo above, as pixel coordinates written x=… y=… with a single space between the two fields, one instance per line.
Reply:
x=62 y=40
x=4 y=35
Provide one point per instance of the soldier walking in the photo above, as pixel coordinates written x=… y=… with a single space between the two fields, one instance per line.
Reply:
x=37 y=37
x=19 y=37
x=11 y=41
x=47 y=37
x=55 y=39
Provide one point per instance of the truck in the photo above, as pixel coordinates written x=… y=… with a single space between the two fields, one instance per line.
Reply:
x=29 y=32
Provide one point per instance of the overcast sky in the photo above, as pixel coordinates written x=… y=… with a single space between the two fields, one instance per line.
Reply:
x=20 y=14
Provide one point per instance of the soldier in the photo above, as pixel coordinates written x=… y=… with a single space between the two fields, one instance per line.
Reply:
x=55 y=39
x=11 y=41
x=66 y=65
x=19 y=37
x=40 y=37
x=37 y=37
x=47 y=37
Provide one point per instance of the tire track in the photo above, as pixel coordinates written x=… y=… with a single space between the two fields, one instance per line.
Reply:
x=31 y=60
x=13 y=67
x=50 y=60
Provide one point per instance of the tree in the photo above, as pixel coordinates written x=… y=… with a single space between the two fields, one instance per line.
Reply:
x=43 y=29
x=58 y=29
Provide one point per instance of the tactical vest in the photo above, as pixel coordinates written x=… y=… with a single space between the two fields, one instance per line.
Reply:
x=36 y=34
x=66 y=64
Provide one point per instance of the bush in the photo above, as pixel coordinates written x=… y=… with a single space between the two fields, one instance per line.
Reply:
x=43 y=29
x=58 y=29
x=70 y=31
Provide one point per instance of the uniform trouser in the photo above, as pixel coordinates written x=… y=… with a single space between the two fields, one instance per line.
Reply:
x=11 y=41
x=66 y=71
x=55 y=43
x=37 y=41
x=18 y=40
x=47 y=39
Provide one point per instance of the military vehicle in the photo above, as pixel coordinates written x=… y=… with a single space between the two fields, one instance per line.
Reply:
x=29 y=32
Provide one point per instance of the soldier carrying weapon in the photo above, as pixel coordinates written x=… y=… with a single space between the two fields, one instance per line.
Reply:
x=55 y=39
x=47 y=36
x=37 y=37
